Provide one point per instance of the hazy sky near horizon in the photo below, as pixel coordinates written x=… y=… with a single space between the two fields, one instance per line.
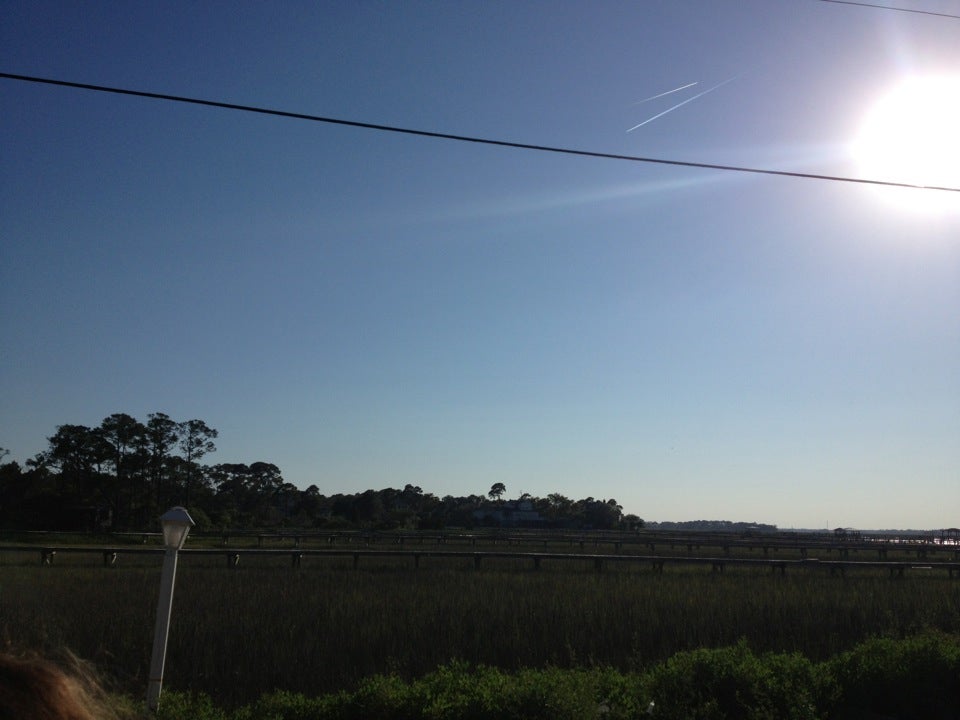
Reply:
x=367 y=309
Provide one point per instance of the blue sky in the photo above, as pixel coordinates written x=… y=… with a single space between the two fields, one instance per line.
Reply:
x=368 y=309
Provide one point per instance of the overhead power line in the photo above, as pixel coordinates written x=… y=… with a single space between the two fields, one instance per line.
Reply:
x=896 y=9
x=466 y=138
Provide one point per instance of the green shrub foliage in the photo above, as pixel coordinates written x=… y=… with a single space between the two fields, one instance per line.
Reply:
x=917 y=678
x=732 y=682
x=913 y=678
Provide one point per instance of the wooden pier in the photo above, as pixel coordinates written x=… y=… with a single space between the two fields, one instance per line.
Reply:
x=112 y=556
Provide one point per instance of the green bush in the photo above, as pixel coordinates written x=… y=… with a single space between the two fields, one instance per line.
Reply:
x=917 y=678
x=458 y=691
x=558 y=693
x=733 y=683
x=284 y=705
x=380 y=696
x=909 y=679
x=196 y=706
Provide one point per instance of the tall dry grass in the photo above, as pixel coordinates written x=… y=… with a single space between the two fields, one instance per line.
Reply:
x=239 y=632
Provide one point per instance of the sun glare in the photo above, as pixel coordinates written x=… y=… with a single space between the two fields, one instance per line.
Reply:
x=912 y=135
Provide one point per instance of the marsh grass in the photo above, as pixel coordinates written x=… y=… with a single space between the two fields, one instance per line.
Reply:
x=240 y=632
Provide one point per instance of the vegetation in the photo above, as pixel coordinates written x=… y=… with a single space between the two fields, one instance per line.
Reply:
x=910 y=679
x=262 y=626
x=124 y=473
x=325 y=639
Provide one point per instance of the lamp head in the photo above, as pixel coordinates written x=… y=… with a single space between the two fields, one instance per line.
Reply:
x=176 y=523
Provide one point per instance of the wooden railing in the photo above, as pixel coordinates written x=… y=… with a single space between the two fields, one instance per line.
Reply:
x=111 y=555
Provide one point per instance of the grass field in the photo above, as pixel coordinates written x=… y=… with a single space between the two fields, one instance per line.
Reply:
x=237 y=633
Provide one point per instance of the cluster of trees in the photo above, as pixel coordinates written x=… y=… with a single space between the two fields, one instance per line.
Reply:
x=714 y=526
x=413 y=508
x=122 y=474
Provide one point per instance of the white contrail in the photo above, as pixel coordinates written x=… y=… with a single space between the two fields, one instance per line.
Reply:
x=701 y=94
x=668 y=92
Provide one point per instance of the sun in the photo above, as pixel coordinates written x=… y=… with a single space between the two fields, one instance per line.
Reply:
x=912 y=135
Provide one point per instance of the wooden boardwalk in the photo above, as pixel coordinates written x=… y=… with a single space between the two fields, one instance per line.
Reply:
x=882 y=547
x=728 y=544
x=111 y=555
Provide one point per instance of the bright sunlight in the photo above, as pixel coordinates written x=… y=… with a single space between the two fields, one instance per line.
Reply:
x=912 y=135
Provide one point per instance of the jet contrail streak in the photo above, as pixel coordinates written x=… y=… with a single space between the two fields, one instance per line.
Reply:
x=668 y=92
x=701 y=94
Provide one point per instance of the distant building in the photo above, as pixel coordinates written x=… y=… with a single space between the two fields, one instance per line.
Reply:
x=509 y=514
x=846 y=533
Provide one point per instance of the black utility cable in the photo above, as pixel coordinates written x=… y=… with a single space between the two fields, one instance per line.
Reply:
x=467 y=138
x=896 y=9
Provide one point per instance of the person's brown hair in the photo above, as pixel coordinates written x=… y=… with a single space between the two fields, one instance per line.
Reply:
x=35 y=688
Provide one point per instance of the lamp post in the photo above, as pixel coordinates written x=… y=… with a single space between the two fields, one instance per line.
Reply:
x=176 y=523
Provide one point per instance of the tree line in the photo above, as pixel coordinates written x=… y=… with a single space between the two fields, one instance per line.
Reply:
x=122 y=474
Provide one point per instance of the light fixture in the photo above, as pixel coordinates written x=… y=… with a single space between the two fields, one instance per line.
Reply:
x=176 y=524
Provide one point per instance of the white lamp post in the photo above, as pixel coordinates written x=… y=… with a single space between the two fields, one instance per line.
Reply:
x=176 y=523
